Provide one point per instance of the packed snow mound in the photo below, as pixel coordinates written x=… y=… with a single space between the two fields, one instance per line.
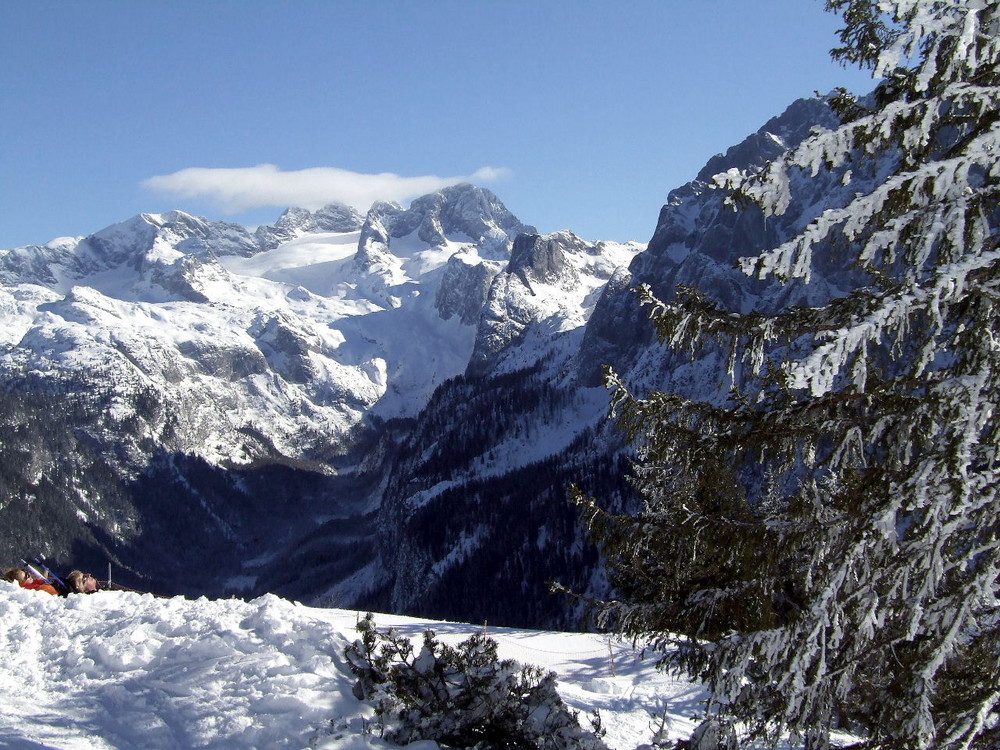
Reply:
x=124 y=670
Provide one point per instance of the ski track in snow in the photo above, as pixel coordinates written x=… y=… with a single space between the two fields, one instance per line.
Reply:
x=117 y=670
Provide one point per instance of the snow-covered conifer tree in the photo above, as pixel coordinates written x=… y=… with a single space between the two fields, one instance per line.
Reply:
x=825 y=544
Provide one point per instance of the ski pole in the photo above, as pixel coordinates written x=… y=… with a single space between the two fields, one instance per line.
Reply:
x=33 y=570
x=48 y=570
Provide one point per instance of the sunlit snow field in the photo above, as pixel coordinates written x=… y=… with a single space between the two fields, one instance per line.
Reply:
x=121 y=670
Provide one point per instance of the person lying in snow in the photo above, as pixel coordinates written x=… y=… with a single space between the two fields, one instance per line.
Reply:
x=81 y=583
x=27 y=581
x=77 y=582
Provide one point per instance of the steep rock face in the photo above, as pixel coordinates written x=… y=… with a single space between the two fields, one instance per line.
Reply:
x=544 y=259
x=189 y=234
x=285 y=346
x=150 y=239
x=776 y=136
x=472 y=212
x=459 y=216
x=547 y=289
x=187 y=278
x=464 y=289
x=461 y=212
x=698 y=240
x=473 y=519
x=296 y=222
x=373 y=244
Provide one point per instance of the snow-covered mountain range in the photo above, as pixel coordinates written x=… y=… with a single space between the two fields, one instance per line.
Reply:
x=297 y=331
x=286 y=344
x=381 y=411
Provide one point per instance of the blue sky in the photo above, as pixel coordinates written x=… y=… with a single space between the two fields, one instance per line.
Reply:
x=579 y=114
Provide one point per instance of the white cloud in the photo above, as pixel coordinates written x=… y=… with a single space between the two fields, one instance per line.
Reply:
x=266 y=185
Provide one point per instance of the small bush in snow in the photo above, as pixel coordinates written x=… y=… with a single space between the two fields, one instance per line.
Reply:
x=461 y=696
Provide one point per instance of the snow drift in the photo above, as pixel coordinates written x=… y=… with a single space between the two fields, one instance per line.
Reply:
x=122 y=670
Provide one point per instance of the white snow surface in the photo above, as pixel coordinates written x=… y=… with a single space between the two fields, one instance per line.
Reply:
x=126 y=670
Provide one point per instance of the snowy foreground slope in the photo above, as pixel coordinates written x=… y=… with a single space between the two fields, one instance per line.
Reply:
x=122 y=670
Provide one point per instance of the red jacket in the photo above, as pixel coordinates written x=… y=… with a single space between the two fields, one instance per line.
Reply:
x=39 y=586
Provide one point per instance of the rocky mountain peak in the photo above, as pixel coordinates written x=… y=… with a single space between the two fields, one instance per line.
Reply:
x=697 y=241
x=468 y=210
x=776 y=136
x=461 y=212
x=337 y=217
x=464 y=288
x=539 y=258
x=294 y=222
